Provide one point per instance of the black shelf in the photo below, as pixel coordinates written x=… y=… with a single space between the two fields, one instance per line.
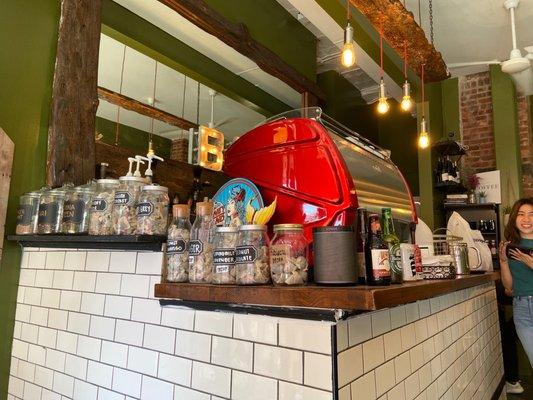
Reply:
x=471 y=205
x=111 y=242
x=450 y=187
x=449 y=148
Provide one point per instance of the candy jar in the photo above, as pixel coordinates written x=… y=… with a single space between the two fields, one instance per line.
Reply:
x=152 y=210
x=177 y=253
x=288 y=255
x=224 y=255
x=76 y=210
x=201 y=246
x=252 y=255
x=125 y=205
x=27 y=213
x=101 y=213
x=51 y=211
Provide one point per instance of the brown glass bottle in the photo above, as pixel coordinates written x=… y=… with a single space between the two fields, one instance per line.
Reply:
x=376 y=254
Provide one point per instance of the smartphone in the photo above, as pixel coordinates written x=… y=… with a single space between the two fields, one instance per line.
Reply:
x=517 y=247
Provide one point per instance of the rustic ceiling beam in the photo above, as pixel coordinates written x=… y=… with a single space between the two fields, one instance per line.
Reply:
x=133 y=105
x=238 y=37
x=399 y=27
x=71 y=153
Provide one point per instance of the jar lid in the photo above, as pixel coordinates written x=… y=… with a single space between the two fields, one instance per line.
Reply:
x=227 y=229
x=204 y=208
x=132 y=179
x=155 y=188
x=58 y=191
x=342 y=228
x=82 y=189
x=108 y=181
x=180 y=210
x=288 y=227
x=34 y=195
x=253 y=228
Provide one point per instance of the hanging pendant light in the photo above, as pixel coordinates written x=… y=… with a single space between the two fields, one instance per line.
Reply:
x=117 y=127
x=383 y=104
x=406 y=103
x=348 y=49
x=423 y=137
x=151 y=151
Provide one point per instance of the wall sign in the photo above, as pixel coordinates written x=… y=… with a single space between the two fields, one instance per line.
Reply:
x=7 y=148
x=489 y=182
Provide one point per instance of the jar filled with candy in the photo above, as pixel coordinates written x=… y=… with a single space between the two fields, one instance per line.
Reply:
x=177 y=253
x=78 y=201
x=288 y=255
x=51 y=211
x=101 y=213
x=27 y=213
x=201 y=244
x=224 y=255
x=252 y=255
x=152 y=210
x=125 y=204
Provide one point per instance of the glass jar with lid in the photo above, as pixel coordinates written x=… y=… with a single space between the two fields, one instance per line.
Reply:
x=101 y=213
x=152 y=210
x=51 y=211
x=125 y=205
x=224 y=244
x=27 y=213
x=201 y=244
x=177 y=252
x=78 y=201
x=252 y=255
x=288 y=255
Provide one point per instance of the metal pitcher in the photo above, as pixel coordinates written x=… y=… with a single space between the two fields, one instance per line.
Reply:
x=459 y=252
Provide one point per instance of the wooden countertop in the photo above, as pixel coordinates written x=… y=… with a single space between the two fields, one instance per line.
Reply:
x=359 y=298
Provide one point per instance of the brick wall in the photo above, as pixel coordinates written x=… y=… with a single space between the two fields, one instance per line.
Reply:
x=477 y=128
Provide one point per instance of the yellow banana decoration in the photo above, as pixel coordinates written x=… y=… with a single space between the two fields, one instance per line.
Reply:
x=250 y=212
x=263 y=215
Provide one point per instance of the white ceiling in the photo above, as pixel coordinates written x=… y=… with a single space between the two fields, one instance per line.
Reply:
x=475 y=30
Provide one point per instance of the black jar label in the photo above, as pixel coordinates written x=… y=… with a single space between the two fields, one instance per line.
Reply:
x=245 y=254
x=145 y=209
x=24 y=214
x=48 y=213
x=196 y=247
x=99 y=205
x=224 y=256
x=122 y=198
x=73 y=211
x=175 y=246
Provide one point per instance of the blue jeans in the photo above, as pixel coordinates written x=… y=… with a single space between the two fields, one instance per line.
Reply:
x=523 y=320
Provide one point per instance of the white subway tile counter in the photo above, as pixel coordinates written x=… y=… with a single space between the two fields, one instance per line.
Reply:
x=88 y=327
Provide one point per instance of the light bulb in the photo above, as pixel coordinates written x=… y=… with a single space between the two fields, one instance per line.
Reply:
x=348 y=50
x=383 y=105
x=406 y=103
x=423 y=138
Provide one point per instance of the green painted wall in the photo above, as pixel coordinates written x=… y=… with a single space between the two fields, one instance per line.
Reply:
x=132 y=138
x=28 y=38
x=506 y=138
x=451 y=118
x=271 y=25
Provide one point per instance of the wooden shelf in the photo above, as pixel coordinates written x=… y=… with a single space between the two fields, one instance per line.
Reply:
x=111 y=242
x=355 y=298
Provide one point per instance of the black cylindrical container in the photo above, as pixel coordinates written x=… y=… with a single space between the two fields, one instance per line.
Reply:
x=334 y=255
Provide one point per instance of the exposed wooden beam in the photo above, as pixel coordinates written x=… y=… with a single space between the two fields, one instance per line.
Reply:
x=238 y=37
x=74 y=99
x=399 y=27
x=133 y=105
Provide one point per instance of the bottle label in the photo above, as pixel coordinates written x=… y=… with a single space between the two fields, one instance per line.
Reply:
x=175 y=246
x=99 y=205
x=145 y=209
x=223 y=257
x=24 y=214
x=123 y=198
x=361 y=265
x=196 y=247
x=48 y=214
x=280 y=254
x=380 y=263
x=245 y=254
x=73 y=211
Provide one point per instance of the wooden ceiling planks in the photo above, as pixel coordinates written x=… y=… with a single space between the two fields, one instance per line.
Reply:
x=399 y=27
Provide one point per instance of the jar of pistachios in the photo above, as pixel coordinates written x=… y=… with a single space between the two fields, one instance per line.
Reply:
x=252 y=255
x=125 y=205
x=224 y=244
x=101 y=213
x=177 y=252
x=201 y=244
x=152 y=210
x=51 y=211
x=78 y=201
x=288 y=255
x=27 y=213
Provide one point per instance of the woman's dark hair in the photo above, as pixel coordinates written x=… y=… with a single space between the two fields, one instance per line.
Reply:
x=511 y=232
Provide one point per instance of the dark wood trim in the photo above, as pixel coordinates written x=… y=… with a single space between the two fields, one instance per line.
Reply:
x=238 y=37
x=74 y=99
x=399 y=26
x=362 y=298
x=497 y=393
x=133 y=105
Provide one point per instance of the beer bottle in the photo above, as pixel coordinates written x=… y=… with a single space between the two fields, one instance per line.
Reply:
x=361 y=240
x=376 y=254
x=393 y=243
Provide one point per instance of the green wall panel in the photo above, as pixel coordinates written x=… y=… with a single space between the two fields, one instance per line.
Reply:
x=131 y=138
x=451 y=118
x=28 y=38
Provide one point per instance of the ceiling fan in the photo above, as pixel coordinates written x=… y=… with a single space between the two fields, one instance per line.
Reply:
x=520 y=68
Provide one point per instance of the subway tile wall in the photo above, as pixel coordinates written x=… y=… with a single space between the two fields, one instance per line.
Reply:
x=447 y=347
x=87 y=327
